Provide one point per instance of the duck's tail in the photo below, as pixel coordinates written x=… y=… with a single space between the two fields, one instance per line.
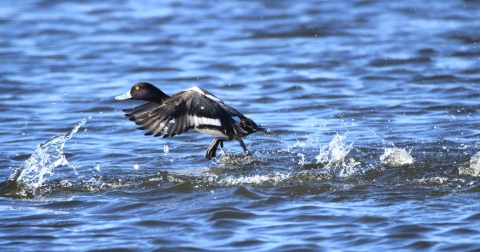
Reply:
x=249 y=126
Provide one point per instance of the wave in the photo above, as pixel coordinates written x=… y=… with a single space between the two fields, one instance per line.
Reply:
x=307 y=162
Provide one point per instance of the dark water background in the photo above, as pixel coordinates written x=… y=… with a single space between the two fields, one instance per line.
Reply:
x=372 y=107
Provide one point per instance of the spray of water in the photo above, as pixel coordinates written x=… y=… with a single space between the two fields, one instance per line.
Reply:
x=334 y=157
x=395 y=157
x=30 y=175
x=472 y=167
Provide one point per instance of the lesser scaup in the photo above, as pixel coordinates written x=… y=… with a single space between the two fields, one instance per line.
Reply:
x=193 y=108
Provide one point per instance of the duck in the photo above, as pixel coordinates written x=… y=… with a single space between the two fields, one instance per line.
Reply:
x=193 y=108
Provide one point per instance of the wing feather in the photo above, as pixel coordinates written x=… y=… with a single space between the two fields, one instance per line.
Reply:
x=183 y=111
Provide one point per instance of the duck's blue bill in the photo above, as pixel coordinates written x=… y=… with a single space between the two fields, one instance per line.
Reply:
x=125 y=96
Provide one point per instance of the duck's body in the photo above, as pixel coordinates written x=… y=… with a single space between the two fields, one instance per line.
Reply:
x=193 y=108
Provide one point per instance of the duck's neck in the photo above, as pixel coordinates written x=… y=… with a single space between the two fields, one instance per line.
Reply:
x=156 y=95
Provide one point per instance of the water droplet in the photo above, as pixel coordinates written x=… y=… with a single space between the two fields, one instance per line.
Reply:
x=172 y=121
x=96 y=166
x=135 y=166
x=162 y=124
x=165 y=149
x=202 y=107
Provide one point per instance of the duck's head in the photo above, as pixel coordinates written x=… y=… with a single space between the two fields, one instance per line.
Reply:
x=143 y=91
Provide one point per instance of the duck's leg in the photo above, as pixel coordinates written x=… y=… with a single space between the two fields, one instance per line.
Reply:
x=244 y=147
x=212 y=149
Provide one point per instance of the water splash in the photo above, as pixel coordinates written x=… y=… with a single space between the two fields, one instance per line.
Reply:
x=472 y=167
x=30 y=175
x=334 y=157
x=256 y=179
x=395 y=157
x=226 y=158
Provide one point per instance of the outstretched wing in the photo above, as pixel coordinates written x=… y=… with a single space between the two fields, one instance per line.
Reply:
x=230 y=111
x=246 y=126
x=183 y=111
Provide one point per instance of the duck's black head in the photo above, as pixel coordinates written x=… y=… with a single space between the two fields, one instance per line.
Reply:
x=144 y=91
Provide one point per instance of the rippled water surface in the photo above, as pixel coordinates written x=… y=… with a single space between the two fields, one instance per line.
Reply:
x=371 y=106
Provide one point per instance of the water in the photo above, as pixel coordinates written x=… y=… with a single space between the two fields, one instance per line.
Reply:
x=371 y=106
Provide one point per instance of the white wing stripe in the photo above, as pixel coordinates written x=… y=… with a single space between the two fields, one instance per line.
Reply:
x=197 y=121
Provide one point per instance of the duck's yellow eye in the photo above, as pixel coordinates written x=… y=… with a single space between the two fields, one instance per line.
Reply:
x=137 y=88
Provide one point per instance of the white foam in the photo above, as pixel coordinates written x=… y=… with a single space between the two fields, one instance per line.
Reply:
x=334 y=157
x=472 y=167
x=335 y=152
x=273 y=178
x=395 y=157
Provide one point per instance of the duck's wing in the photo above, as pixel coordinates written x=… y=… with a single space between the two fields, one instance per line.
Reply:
x=247 y=125
x=183 y=111
x=231 y=111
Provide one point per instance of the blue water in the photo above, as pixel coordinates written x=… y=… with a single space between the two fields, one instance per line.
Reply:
x=372 y=109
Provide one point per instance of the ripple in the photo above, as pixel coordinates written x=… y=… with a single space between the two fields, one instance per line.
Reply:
x=311 y=71
x=395 y=62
